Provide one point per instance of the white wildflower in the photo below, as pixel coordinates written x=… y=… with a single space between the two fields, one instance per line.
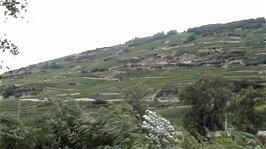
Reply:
x=159 y=129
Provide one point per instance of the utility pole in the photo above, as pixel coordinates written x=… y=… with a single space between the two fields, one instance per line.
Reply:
x=226 y=121
x=226 y=117
x=18 y=110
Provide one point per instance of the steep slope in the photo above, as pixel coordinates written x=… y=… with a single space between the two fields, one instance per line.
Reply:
x=165 y=62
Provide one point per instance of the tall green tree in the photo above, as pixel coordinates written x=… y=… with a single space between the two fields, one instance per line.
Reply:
x=135 y=95
x=208 y=98
x=246 y=118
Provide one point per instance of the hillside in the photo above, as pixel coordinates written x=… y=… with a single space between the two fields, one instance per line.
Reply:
x=164 y=61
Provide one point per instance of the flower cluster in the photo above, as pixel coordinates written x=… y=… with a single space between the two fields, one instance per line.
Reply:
x=159 y=130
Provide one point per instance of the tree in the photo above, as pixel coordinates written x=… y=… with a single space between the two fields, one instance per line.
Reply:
x=11 y=8
x=208 y=98
x=218 y=28
x=135 y=94
x=190 y=38
x=171 y=32
x=9 y=91
x=246 y=118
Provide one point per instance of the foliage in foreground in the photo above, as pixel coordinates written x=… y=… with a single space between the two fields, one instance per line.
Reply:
x=235 y=140
x=14 y=135
x=115 y=127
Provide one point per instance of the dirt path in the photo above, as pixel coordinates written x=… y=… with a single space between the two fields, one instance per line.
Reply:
x=152 y=77
x=84 y=99
x=105 y=79
x=33 y=100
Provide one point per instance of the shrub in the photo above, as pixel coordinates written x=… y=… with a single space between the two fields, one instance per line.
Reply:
x=99 y=69
x=67 y=127
x=244 y=84
x=71 y=83
x=13 y=135
x=99 y=102
x=13 y=90
x=114 y=127
x=84 y=71
x=190 y=38
x=52 y=66
x=9 y=91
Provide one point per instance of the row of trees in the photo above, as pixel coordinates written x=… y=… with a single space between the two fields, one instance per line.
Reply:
x=218 y=28
x=140 y=41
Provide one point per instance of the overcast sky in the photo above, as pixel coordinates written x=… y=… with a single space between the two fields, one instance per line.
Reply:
x=58 y=28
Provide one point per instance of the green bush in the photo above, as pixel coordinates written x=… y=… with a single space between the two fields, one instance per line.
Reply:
x=9 y=91
x=99 y=102
x=115 y=127
x=13 y=135
x=67 y=127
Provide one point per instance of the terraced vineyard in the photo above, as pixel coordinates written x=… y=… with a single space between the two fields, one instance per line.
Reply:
x=78 y=101
x=162 y=61
x=165 y=62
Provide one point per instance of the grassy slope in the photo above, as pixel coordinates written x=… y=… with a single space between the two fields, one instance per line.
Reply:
x=60 y=79
x=58 y=83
